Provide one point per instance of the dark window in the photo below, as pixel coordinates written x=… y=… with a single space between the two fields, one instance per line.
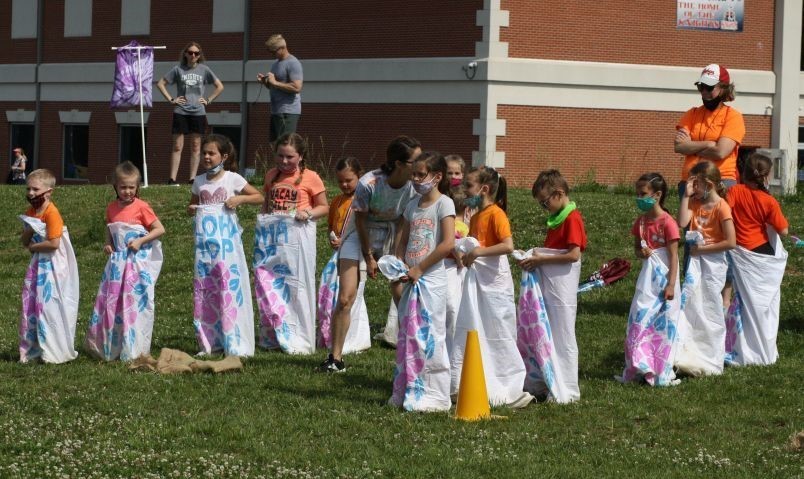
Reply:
x=131 y=144
x=22 y=136
x=76 y=152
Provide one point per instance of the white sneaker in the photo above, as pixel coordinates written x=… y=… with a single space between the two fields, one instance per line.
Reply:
x=521 y=401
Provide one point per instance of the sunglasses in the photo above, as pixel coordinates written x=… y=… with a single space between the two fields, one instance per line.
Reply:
x=194 y=53
x=274 y=50
x=702 y=87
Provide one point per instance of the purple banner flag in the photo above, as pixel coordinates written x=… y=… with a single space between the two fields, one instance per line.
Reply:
x=134 y=63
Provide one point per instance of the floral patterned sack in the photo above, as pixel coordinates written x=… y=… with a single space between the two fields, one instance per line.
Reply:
x=284 y=272
x=422 y=375
x=123 y=317
x=358 y=337
x=546 y=328
x=652 y=323
x=49 y=301
x=223 y=314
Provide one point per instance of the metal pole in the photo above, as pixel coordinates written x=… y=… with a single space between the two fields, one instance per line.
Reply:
x=142 y=119
x=244 y=82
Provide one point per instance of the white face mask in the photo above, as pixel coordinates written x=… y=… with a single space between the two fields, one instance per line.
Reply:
x=424 y=187
x=214 y=170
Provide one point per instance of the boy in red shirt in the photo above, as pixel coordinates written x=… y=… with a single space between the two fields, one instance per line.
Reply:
x=566 y=236
x=565 y=228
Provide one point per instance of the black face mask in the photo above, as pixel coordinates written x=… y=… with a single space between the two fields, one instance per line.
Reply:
x=712 y=104
x=37 y=201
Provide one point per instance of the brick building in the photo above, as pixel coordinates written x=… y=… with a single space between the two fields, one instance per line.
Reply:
x=593 y=88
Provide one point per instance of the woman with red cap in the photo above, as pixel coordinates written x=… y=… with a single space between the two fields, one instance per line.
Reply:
x=712 y=131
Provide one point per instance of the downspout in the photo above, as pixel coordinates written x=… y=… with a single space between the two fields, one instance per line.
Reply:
x=39 y=49
x=244 y=86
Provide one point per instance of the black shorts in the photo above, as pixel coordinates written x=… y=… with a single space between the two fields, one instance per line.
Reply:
x=188 y=124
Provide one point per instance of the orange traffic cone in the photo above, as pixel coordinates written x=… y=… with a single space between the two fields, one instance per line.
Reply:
x=473 y=400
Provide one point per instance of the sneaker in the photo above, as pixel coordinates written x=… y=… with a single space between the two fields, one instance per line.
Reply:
x=172 y=182
x=190 y=181
x=332 y=365
x=521 y=401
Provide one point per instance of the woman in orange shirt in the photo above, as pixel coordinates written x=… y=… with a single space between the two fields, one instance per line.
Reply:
x=712 y=131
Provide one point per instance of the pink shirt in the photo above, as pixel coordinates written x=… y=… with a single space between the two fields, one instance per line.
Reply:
x=138 y=212
x=659 y=232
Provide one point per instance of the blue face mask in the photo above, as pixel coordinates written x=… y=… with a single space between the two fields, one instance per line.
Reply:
x=214 y=170
x=473 y=201
x=645 y=203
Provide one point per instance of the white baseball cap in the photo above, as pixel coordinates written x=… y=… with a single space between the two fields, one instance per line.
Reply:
x=714 y=74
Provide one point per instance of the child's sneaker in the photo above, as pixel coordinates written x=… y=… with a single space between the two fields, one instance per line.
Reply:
x=332 y=365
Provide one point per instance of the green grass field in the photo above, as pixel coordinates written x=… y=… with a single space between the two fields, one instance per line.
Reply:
x=279 y=418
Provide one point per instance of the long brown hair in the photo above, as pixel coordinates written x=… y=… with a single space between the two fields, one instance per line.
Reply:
x=656 y=183
x=299 y=144
x=183 y=56
x=436 y=163
x=757 y=168
x=498 y=187
x=706 y=169
x=225 y=147
x=401 y=149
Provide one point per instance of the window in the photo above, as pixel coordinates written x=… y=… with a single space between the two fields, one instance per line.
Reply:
x=131 y=144
x=22 y=136
x=23 y=18
x=76 y=152
x=227 y=15
x=135 y=17
x=78 y=18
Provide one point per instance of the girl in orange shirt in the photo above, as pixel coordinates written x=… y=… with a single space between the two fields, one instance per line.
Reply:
x=758 y=265
x=702 y=327
x=487 y=301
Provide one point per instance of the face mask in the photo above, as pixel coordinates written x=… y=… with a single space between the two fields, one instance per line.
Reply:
x=37 y=201
x=473 y=201
x=712 y=104
x=455 y=182
x=645 y=203
x=424 y=187
x=214 y=170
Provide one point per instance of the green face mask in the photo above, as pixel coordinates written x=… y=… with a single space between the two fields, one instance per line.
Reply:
x=645 y=203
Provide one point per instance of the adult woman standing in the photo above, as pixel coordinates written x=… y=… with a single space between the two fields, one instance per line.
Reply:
x=712 y=131
x=379 y=201
x=18 y=167
x=189 y=115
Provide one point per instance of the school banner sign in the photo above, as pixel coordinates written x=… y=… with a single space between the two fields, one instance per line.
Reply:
x=724 y=15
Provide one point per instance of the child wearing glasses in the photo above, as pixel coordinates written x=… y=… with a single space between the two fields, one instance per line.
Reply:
x=548 y=297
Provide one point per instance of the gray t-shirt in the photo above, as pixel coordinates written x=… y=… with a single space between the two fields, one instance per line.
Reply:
x=375 y=196
x=425 y=229
x=286 y=71
x=190 y=84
